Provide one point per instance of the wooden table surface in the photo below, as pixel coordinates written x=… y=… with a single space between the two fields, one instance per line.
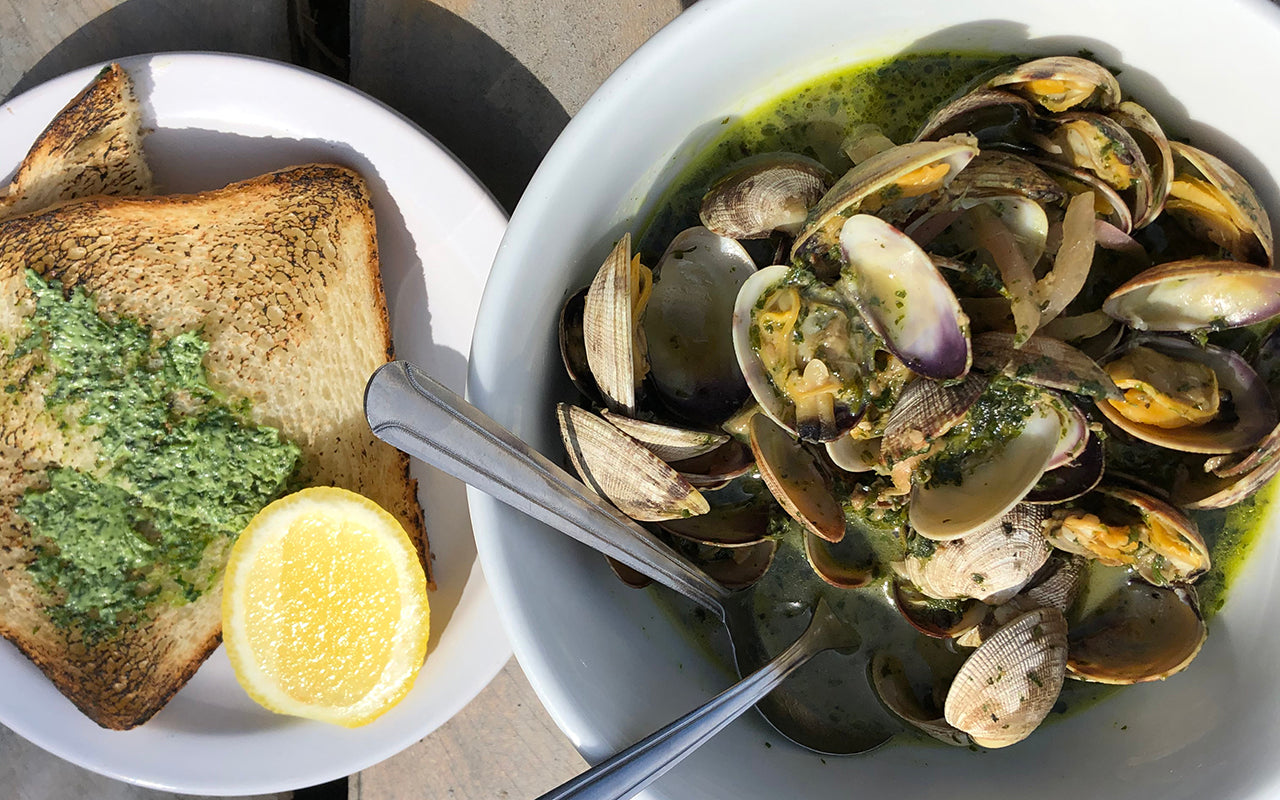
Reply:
x=495 y=81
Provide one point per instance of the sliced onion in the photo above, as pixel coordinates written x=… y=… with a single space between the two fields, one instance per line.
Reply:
x=1075 y=256
x=1015 y=272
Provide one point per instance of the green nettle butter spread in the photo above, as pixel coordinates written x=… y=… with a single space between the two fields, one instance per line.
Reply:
x=179 y=468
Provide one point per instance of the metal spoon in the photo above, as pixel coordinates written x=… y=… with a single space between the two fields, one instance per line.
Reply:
x=630 y=770
x=411 y=411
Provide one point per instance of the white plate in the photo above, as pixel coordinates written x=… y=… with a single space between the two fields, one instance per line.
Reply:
x=220 y=118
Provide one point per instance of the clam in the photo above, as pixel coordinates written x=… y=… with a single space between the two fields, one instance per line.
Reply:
x=1061 y=82
x=667 y=442
x=792 y=475
x=1009 y=684
x=739 y=567
x=617 y=467
x=925 y=411
x=891 y=685
x=891 y=184
x=1139 y=633
x=1188 y=295
x=1119 y=526
x=1171 y=396
x=1044 y=362
x=836 y=571
x=1057 y=585
x=764 y=193
x=573 y=347
x=991 y=487
x=688 y=326
x=990 y=565
x=803 y=353
x=993 y=117
x=935 y=619
x=1151 y=139
x=1219 y=485
x=1073 y=479
x=1102 y=146
x=717 y=468
x=994 y=174
x=612 y=333
x=904 y=298
x=736 y=525
x=1214 y=201
x=854 y=455
x=1107 y=201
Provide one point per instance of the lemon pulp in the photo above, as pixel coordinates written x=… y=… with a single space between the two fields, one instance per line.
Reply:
x=324 y=608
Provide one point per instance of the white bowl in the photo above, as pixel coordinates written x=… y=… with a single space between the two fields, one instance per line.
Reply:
x=605 y=660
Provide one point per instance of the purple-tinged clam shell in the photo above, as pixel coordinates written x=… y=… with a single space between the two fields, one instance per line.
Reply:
x=1186 y=295
x=904 y=298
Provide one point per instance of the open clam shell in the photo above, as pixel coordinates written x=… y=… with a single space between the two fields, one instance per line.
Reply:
x=1242 y=477
x=737 y=525
x=1008 y=685
x=1252 y=415
x=889 y=679
x=1057 y=585
x=925 y=411
x=1154 y=144
x=836 y=571
x=1102 y=146
x=993 y=173
x=1187 y=295
x=1073 y=479
x=991 y=488
x=792 y=475
x=1119 y=526
x=991 y=116
x=573 y=347
x=619 y=468
x=830 y=364
x=1042 y=361
x=688 y=326
x=1061 y=82
x=893 y=177
x=990 y=565
x=904 y=298
x=717 y=468
x=854 y=455
x=765 y=193
x=667 y=442
x=1141 y=633
x=1214 y=201
x=614 y=339
x=935 y=619
x=738 y=567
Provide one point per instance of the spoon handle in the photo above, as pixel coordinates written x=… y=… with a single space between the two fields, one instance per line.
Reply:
x=630 y=770
x=415 y=413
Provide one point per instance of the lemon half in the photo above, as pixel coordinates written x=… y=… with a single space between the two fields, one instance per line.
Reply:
x=324 y=608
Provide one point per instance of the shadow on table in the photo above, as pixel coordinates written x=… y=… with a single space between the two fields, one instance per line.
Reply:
x=252 y=27
x=460 y=85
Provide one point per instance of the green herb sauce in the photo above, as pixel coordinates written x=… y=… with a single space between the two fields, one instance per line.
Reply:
x=999 y=415
x=179 y=469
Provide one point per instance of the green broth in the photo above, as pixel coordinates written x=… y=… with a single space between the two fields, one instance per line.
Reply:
x=896 y=94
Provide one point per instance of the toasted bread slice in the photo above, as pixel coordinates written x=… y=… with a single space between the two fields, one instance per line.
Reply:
x=280 y=276
x=93 y=147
